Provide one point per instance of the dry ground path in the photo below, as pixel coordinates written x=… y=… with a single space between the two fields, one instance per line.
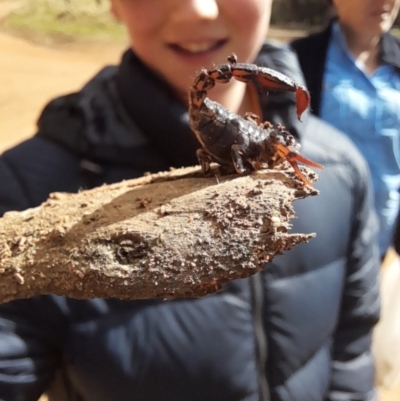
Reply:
x=30 y=75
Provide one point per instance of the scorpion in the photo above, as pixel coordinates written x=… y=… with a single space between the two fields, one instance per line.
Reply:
x=227 y=138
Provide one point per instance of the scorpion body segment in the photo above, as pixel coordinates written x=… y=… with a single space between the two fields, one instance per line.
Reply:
x=229 y=139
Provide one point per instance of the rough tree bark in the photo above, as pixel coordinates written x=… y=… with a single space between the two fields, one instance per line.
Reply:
x=172 y=234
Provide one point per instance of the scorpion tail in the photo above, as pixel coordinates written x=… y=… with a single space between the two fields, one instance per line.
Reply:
x=302 y=100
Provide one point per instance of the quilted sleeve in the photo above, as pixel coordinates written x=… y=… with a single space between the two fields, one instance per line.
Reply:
x=12 y=194
x=31 y=333
x=396 y=238
x=28 y=353
x=353 y=377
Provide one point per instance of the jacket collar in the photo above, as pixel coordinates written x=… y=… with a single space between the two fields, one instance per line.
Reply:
x=390 y=50
x=152 y=105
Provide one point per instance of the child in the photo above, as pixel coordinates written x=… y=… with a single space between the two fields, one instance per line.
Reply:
x=300 y=330
x=352 y=68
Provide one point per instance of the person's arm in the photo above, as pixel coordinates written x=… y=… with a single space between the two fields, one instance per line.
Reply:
x=353 y=377
x=31 y=332
x=29 y=329
x=396 y=235
x=12 y=194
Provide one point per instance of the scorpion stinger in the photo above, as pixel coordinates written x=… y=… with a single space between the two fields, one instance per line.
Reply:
x=242 y=144
x=270 y=79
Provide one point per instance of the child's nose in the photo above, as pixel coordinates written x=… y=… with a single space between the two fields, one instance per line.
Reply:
x=196 y=9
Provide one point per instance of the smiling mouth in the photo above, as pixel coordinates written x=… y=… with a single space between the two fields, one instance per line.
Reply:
x=197 y=47
x=384 y=14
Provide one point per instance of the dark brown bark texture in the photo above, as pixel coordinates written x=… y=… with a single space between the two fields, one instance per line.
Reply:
x=172 y=234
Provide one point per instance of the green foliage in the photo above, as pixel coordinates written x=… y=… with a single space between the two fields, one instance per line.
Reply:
x=304 y=13
x=311 y=14
x=64 y=21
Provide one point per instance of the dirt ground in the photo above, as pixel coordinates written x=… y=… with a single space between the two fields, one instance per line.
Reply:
x=30 y=75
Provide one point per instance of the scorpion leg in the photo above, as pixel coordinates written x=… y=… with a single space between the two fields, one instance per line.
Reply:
x=253 y=118
x=204 y=159
x=237 y=152
x=240 y=153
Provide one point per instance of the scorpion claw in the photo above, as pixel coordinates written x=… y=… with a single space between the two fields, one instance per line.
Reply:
x=308 y=162
x=204 y=160
x=293 y=158
x=299 y=173
x=238 y=151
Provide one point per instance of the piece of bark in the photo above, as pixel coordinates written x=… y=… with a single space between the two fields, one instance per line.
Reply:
x=173 y=234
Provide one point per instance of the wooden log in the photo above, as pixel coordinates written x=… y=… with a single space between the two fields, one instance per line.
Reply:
x=172 y=234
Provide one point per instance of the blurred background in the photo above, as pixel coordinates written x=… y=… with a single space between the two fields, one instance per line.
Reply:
x=49 y=47
x=52 y=47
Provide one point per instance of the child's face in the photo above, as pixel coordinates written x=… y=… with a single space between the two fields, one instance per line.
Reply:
x=369 y=16
x=178 y=37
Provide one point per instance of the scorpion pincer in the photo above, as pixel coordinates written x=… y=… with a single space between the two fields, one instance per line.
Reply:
x=227 y=138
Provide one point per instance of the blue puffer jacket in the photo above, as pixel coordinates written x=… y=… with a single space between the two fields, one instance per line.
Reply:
x=298 y=331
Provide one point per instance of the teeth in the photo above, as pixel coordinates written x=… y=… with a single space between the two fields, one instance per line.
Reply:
x=197 y=47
